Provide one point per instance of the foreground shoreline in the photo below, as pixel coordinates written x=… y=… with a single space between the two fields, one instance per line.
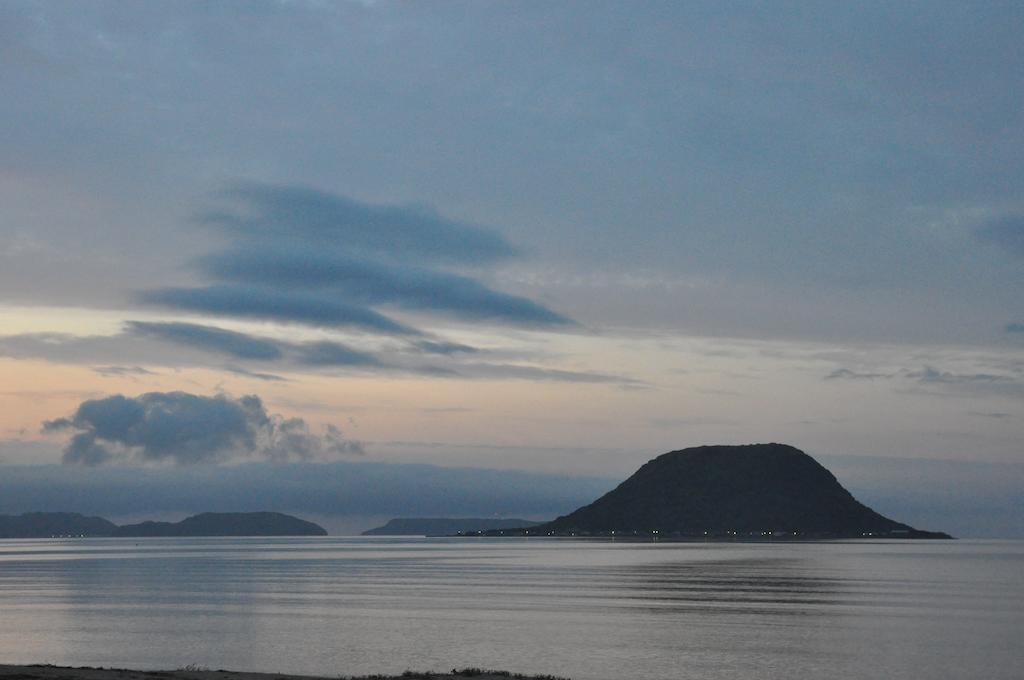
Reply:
x=49 y=672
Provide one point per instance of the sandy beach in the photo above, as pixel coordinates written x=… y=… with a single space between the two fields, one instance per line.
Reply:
x=48 y=672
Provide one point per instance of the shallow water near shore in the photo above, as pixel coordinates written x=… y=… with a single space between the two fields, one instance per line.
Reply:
x=583 y=609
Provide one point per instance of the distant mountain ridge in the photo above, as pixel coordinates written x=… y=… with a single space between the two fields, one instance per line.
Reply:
x=749 y=491
x=48 y=524
x=444 y=526
x=60 y=524
x=227 y=524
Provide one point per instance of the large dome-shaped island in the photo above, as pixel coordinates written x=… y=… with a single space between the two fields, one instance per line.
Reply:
x=756 y=490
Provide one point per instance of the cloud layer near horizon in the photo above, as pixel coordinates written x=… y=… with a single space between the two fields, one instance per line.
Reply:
x=188 y=429
x=143 y=342
x=1007 y=384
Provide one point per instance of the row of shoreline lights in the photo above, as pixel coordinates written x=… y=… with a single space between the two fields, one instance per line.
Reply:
x=706 y=533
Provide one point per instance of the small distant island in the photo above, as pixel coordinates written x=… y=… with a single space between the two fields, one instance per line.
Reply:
x=444 y=526
x=752 y=492
x=71 y=524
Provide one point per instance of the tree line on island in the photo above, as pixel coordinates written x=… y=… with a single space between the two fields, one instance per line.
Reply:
x=69 y=524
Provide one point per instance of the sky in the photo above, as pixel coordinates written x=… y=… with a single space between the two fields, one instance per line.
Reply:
x=376 y=242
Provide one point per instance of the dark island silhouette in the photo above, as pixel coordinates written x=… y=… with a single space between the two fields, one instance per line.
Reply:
x=444 y=526
x=227 y=524
x=59 y=524
x=754 y=491
x=49 y=524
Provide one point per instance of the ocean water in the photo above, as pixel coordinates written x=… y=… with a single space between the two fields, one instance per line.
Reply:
x=585 y=610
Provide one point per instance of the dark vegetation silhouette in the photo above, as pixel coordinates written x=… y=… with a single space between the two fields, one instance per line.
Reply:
x=47 y=524
x=754 y=491
x=58 y=524
x=471 y=672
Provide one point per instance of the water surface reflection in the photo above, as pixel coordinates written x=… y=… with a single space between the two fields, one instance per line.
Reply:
x=585 y=609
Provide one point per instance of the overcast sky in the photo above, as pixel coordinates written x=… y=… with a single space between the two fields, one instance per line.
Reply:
x=558 y=238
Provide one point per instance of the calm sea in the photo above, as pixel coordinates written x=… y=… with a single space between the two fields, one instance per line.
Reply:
x=332 y=606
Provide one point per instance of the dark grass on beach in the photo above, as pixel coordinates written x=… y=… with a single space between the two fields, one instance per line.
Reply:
x=196 y=672
x=480 y=673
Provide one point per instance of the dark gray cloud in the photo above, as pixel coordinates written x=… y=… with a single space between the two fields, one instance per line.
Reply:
x=1007 y=232
x=122 y=370
x=128 y=346
x=404 y=233
x=995 y=415
x=196 y=340
x=316 y=309
x=246 y=346
x=930 y=374
x=269 y=377
x=925 y=374
x=443 y=347
x=1015 y=328
x=240 y=345
x=670 y=423
x=525 y=372
x=978 y=383
x=65 y=347
x=975 y=384
x=370 y=282
x=186 y=429
x=301 y=255
x=328 y=353
x=847 y=374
